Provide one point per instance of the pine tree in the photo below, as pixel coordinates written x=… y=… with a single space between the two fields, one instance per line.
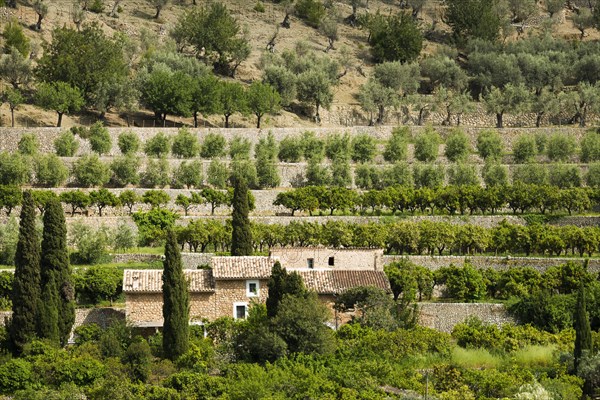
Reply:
x=26 y=287
x=176 y=301
x=57 y=289
x=581 y=323
x=241 y=237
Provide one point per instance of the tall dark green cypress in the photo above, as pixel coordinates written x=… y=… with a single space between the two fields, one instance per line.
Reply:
x=281 y=283
x=581 y=323
x=26 y=287
x=241 y=236
x=176 y=301
x=57 y=289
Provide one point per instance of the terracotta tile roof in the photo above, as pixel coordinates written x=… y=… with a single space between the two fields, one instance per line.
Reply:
x=336 y=281
x=150 y=280
x=250 y=267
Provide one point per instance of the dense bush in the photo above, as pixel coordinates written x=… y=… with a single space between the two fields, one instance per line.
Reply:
x=156 y=174
x=290 y=149
x=125 y=170
x=564 y=175
x=396 y=148
x=100 y=140
x=311 y=11
x=66 y=144
x=28 y=144
x=91 y=245
x=590 y=147
x=239 y=148
x=489 y=144
x=213 y=146
x=15 y=169
x=560 y=147
x=313 y=147
x=50 y=171
x=457 y=146
x=129 y=142
x=185 y=144
x=188 y=174
x=217 y=174
x=89 y=171
x=524 y=149
x=535 y=174
x=363 y=148
x=494 y=174
x=427 y=145
x=462 y=174
x=428 y=175
x=158 y=145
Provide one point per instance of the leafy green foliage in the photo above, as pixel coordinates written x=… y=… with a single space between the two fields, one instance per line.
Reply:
x=427 y=145
x=66 y=144
x=185 y=144
x=213 y=146
x=50 y=171
x=128 y=142
x=100 y=140
x=89 y=171
x=397 y=39
x=158 y=145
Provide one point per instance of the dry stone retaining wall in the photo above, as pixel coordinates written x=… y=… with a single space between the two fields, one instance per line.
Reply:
x=500 y=263
x=445 y=316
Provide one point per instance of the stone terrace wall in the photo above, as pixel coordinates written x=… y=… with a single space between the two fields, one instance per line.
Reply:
x=500 y=263
x=9 y=137
x=445 y=316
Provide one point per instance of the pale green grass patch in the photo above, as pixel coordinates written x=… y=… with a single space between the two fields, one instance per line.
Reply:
x=534 y=356
x=474 y=358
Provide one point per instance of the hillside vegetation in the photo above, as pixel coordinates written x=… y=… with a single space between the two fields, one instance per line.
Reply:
x=337 y=63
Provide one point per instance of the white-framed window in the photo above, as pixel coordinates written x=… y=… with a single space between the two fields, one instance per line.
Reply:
x=310 y=263
x=252 y=288
x=240 y=310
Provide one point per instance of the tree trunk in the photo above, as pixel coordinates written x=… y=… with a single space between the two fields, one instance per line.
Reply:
x=195 y=119
x=380 y=114
x=538 y=120
x=226 y=120
x=59 y=123
x=499 y=120
x=583 y=117
x=420 y=119
x=12 y=117
x=317 y=116
x=38 y=25
x=258 y=117
x=157 y=12
x=458 y=119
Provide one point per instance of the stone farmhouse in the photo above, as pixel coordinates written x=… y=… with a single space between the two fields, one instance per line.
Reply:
x=232 y=284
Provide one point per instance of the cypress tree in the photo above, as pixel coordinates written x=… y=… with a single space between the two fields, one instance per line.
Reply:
x=241 y=237
x=57 y=289
x=176 y=301
x=26 y=287
x=281 y=283
x=581 y=323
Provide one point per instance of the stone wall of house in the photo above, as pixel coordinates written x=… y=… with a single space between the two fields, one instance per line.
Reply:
x=445 y=316
x=356 y=259
x=229 y=292
x=500 y=263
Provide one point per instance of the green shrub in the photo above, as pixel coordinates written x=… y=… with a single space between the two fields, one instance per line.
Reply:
x=462 y=174
x=129 y=143
x=100 y=140
x=89 y=171
x=259 y=7
x=15 y=169
x=457 y=146
x=217 y=174
x=363 y=148
x=531 y=174
x=494 y=174
x=337 y=147
x=28 y=144
x=565 y=176
x=560 y=147
x=311 y=11
x=157 y=146
x=124 y=238
x=489 y=144
x=156 y=174
x=239 y=147
x=396 y=148
x=316 y=174
x=15 y=374
x=267 y=172
x=590 y=147
x=462 y=283
x=540 y=142
x=152 y=225
x=96 y=284
x=125 y=170
x=50 y=171
x=97 y=6
x=213 y=146
x=367 y=176
x=397 y=174
x=524 y=149
x=245 y=168
x=9 y=235
x=185 y=144
x=313 y=147
x=66 y=144
x=427 y=145
x=87 y=333
x=428 y=175
x=188 y=174
x=91 y=244
x=340 y=173
x=290 y=149
x=592 y=178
